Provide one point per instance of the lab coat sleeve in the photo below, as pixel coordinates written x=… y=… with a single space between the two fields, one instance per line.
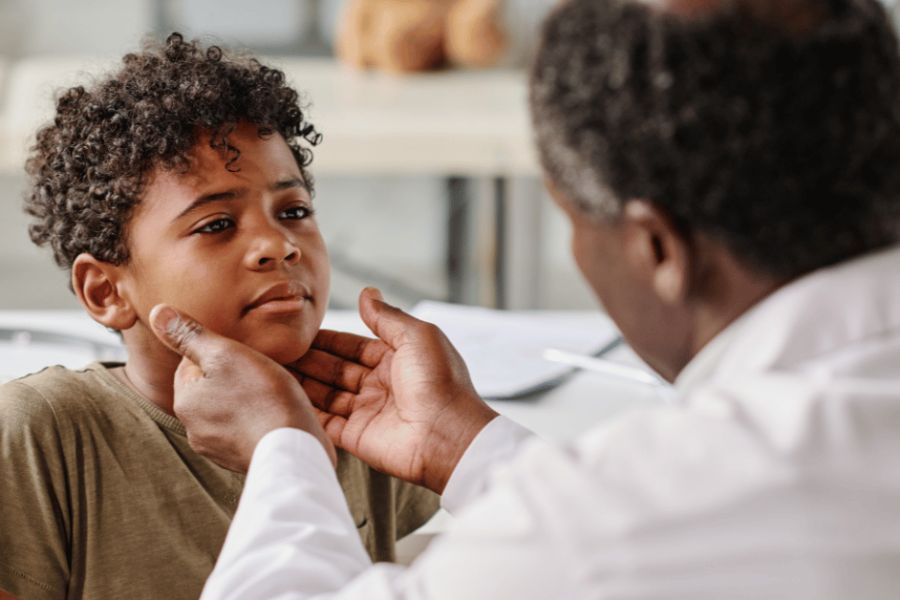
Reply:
x=292 y=535
x=494 y=445
x=293 y=538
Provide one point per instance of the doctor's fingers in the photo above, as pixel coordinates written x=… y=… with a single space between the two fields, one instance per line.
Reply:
x=331 y=370
x=328 y=399
x=333 y=426
x=357 y=348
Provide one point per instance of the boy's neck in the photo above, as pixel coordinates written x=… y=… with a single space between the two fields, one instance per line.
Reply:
x=150 y=370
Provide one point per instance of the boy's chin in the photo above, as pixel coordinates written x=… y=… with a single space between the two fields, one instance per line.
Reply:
x=283 y=344
x=287 y=353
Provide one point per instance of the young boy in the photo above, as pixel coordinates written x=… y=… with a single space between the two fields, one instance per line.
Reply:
x=180 y=179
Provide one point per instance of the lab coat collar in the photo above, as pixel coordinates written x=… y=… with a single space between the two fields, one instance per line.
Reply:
x=813 y=316
x=704 y=364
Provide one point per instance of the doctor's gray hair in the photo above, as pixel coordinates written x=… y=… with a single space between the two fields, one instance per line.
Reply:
x=780 y=140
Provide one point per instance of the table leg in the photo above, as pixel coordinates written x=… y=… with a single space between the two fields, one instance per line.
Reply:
x=494 y=241
x=457 y=238
x=519 y=242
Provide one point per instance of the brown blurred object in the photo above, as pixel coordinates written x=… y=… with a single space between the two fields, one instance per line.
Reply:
x=418 y=35
x=474 y=37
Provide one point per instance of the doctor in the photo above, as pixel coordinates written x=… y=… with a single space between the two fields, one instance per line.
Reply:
x=731 y=170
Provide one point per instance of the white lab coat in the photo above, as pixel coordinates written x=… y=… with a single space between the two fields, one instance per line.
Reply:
x=775 y=474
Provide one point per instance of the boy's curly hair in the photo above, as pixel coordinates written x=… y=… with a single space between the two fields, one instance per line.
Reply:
x=88 y=168
x=785 y=146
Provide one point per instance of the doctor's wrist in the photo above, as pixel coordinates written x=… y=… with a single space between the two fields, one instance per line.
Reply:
x=453 y=434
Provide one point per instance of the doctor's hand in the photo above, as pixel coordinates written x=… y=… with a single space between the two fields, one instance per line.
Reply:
x=404 y=403
x=228 y=395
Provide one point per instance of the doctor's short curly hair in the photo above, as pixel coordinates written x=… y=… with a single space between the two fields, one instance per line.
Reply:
x=779 y=137
x=89 y=167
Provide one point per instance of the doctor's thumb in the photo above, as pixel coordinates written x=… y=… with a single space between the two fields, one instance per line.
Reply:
x=388 y=322
x=182 y=334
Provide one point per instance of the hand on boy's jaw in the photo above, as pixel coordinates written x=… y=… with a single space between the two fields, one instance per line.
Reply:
x=403 y=403
x=228 y=395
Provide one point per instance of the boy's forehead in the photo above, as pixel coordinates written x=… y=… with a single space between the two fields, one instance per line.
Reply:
x=214 y=170
x=200 y=168
x=212 y=156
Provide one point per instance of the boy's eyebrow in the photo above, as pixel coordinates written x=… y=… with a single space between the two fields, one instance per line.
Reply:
x=288 y=184
x=232 y=194
x=204 y=200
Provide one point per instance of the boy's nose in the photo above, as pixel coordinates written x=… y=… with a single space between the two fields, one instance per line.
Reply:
x=271 y=249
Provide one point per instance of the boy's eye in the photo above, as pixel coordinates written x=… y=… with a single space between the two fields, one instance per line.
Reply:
x=216 y=226
x=296 y=212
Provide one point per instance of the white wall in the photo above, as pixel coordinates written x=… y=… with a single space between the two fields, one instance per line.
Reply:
x=74 y=26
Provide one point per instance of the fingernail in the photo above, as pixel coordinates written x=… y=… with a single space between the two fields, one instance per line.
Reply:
x=165 y=319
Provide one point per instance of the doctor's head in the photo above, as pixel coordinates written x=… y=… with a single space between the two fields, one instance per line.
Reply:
x=708 y=151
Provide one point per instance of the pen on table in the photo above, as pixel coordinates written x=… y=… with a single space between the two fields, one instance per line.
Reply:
x=599 y=365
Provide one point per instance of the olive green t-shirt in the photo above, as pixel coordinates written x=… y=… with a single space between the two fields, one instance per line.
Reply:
x=102 y=498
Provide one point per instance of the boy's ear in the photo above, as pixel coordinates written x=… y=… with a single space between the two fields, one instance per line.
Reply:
x=660 y=249
x=96 y=283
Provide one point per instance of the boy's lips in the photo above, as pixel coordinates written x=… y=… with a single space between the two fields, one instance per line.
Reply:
x=281 y=297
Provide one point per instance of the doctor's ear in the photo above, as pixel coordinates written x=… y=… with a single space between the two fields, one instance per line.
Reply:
x=96 y=283
x=659 y=249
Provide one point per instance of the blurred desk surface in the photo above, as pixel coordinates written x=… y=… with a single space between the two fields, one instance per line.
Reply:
x=466 y=123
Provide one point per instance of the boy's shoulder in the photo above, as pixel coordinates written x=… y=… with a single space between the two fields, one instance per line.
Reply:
x=57 y=393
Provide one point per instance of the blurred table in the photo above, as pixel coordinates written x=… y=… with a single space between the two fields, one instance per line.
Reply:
x=469 y=127
x=444 y=123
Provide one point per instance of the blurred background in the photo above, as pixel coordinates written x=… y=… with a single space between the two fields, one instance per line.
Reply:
x=435 y=232
x=413 y=218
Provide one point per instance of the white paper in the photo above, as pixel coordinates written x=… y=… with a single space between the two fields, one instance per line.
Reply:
x=503 y=349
